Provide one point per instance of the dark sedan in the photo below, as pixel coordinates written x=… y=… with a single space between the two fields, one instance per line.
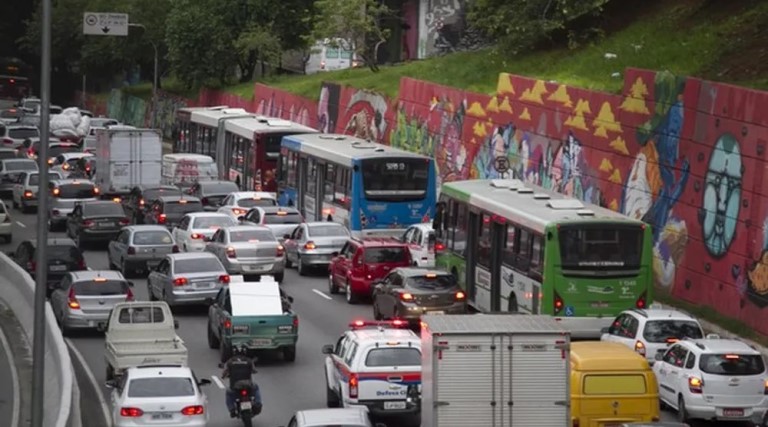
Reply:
x=212 y=193
x=96 y=220
x=408 y=292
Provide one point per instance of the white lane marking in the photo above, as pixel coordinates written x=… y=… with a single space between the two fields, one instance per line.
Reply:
x=322 y=294
x=90 y=269
x=20 y=224
x=14 y=379
x=92 y=379
x=218 y=382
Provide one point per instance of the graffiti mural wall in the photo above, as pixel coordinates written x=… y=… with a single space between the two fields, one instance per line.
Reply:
x=278 y=103
x=441 y=26
x=351 y=111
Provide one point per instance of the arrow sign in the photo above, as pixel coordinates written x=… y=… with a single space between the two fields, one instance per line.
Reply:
x=105 y=24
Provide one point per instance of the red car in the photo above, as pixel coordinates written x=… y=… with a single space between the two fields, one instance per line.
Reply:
x=363 y=261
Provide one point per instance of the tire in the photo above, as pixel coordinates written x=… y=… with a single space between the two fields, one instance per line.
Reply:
x=287 y=262
x=246 y=417
x=682 y=412
x=150 y=293
x=279 y=277
x=13 y=202
x=376 y=311
x=289 y=353
x=331 y=399
x=213 y=342
x=512 y=306
x=332 y=289
x=350 y=296
x=225 y=352
x=300 y=267
x=127 y=272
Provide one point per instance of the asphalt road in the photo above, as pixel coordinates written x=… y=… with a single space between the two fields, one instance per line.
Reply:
x=9 y=407
x=285 y=387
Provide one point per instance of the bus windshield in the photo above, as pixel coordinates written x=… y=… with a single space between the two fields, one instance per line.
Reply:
x=601 y=247
x=395 y=179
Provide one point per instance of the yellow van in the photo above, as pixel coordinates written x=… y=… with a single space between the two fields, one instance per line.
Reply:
x=610 y=385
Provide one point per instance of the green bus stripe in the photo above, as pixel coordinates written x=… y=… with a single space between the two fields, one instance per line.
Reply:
x=455 y=193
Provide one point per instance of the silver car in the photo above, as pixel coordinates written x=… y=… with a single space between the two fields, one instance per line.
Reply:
x=140 y=248
x=83 y=299
x=347 y=417
x=24 y=193
x=280 y=220
x=187 y=278
x=248 y=250
x=14 y=135
x=10 y=170
x=64 y=194
x=312 y=244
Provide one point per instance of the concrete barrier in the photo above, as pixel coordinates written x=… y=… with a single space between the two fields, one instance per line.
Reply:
x=62 y=397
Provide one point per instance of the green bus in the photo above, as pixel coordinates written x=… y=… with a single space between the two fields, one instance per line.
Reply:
x=516 y=247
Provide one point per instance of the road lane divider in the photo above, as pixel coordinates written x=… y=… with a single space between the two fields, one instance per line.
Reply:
x=92 y=380
x=322 y=294
x=14 y=379
x=218 y=382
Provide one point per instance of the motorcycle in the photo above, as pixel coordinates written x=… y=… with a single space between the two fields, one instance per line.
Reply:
x=246 y=404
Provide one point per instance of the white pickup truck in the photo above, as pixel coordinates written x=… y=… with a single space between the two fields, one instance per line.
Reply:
x=141 y=333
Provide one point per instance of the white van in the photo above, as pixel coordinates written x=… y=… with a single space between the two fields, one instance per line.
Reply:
x=183 y=169
x=328 y=55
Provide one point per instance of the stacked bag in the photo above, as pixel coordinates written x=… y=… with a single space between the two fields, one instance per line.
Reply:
x=70 y=124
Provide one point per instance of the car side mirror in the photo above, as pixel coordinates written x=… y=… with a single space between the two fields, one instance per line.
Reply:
x=659 y=356
x=110 y=384
x=605 y=331
x=328 y=349
x=241 y=218
x=203 y=382
x=101 y=327
x=175 y=324
x=286 y=236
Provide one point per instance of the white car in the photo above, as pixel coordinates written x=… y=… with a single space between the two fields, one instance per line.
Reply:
x=159 y=395
x=421 y=241
x=193 y=230
x=239 y=203
x=651 y=330
x=65 y=163
x=713 y=379
x=6 y=223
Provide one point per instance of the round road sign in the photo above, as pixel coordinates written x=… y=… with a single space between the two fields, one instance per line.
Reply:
x=501 y=164
x=91 y=20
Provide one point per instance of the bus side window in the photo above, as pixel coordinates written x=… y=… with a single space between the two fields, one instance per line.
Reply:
x=484 y=241
x=291 y=169
x=537 y=255
x=523 y=246
x=311 y=176
x=459 y=241
x=341 y=192
x=508 y=253
x=330 y=181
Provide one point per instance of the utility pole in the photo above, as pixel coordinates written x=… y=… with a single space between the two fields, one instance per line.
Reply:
x=41 y=269
x=154 y=76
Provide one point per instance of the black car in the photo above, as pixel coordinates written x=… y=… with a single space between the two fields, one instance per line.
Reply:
x=211 y=193
x=62 y=256
x=138 y=203
x=96 y=220
x=169 y=210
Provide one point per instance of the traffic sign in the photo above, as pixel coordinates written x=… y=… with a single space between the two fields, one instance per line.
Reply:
x=105 y=24
x=501 y=164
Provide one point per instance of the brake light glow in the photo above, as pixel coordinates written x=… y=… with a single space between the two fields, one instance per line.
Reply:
x=280 y=251
x=765 y=387
x=50 y=161
x=430 y=275
x=72 y=300
x=100 y=280
x=131 y=412
x=96 y=191
x=56 y=192
x=117 y=199
x=281 y=213
x=672 y=340
x=161 y=218
x=296 y=322
x=238 y=212
x=405 y=296
x=183 y=202
x=640 y=347
x=227 y=324
x=124 y=221
x=196 y=236
x=732 y=356
x=224 y=278
x=28 y=194
x=87 y=223
x=460 y=296
x=397 y=323
x=65 y=166
x=244 y=392
x=231 y=252
x=310 y=245
x=180 y=281
x=558 y=303
x=640 y=303
x=439 y=246
x=695 y=385
x=131 y=250
x=142 y=202
x=353 y=382
x=193 y=410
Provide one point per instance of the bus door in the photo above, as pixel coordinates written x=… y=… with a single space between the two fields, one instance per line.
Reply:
x=301 y=199
x=497 y=240
x=472 y=271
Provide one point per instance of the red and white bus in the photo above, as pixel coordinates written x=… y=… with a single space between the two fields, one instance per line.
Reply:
x=186 y=131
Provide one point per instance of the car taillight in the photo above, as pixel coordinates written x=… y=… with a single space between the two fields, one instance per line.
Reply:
x=7 y=141
x=131 y=250
x=766 y=387
x=405 y=296
x=296 y=322
x=131 y=412
x=124 y=221
x=81 y=264
x=353 y=383
x=204 y=200
x=87 y=223
x=175 y=249
x=96 y=191
x=196 y=236
x=558 y=303
x=439 y=247
x=238 y=212
x=193 y=410
x=231 y=252
x=640 y=303
x=310 y=245
x=460 y=296
x=180 y=281
x=244 y=392
x=695 y=385
x=56 y=212
x=161 y=218
x=28 y=194
x=640 y=347
x=224 y=278
x=280 y=251
x=227 y=324
x=72 y=300
x=129 y=295
x=142 y=202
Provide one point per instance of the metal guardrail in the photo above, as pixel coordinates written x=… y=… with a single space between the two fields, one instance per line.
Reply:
x=62 y=395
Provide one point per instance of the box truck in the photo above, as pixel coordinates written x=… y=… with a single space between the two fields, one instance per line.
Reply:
x=126 y=158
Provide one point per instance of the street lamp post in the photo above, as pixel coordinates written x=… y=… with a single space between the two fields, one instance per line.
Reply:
x=154 y=76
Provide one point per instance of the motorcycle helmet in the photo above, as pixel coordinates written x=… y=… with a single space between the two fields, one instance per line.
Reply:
x=239 y=350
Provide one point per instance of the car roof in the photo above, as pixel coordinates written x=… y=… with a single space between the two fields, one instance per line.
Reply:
x=99 y=202
x=208 y=214
x=146 y=227
x=149 y=371
x=247 y=227
x=76 y=154
x=178 y=198
x=72 y=181
x=384 y=333
x=422 y=226
x=322 y=224
x=93 y=274
x=19 y=160
x=157 y=187
x=719 y=345
x=661 y=313
x=418 y=271
x=20 y=126
x=213 y=181
x=373 y=242
x=332 y=416
x=191 y=255
x=55 y=241
x=251 y=194
x=274 y=209
x=12 y=150
x=602 y=355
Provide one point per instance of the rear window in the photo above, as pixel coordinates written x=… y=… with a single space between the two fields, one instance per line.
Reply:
x=251 y=203
x=732 y=364
x=218 y=188
x=404 y=356
x=213 y=222
x=23 y=133
x=251 y=236
x=176 y=207
x=103 y=209
x=8 y=155
x=658 y=331
x=9 y=114
x=327 y=231
x=158 y=237
x=93 y=288
x=161 y=387
x=288 y=218
x=614 y=384
x=77 y=191
x=385 y=255
x=197 y=265
x=34 y=179
x=141 y=315
x=69 y=253
x=439 y=281
x=155 y=193
x=56 y=150
x=20 y=165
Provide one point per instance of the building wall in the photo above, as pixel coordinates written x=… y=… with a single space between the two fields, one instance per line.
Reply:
x=441 y=26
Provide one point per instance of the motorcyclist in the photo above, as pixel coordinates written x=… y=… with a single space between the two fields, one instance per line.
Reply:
x=240 y=369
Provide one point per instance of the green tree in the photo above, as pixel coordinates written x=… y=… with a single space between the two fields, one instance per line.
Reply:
x=519 y=24
x=357 y=23
x=257 y=44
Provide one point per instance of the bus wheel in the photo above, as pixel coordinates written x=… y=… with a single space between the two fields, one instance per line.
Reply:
x=512 y=304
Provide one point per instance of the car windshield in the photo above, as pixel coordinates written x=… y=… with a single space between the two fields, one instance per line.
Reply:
x=155 y=193
x=328 y=230
x=732 y=364
x=85 y=190
x=106 y=287
x=68 y=253
x=251 y=236
x=176 y=207
x=20 y=165
x=218 y=187
x=21 y=133
x=103 y=209
x=395 y=179
x=432 y=282
x=197 y=265
x=161 y=387
x=213 y=222
x=155 y=237
x=659 y=331
x=385 y=255
x=256 y=201
x=586 y=249
x=404 y=356
x=282 y=218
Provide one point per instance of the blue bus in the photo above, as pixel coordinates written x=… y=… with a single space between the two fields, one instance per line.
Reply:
x=370 y=188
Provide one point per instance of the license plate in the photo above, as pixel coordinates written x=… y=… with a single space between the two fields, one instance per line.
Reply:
x=733 y=412
x=162 y=416
x=285 y=329
x=436 y=312
x=245 y=406
x=107 y=224
x=599 y=305
x=257 y=267
x=58 y=268
x=394 y=405
x=203 y=285
x=261 y=342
